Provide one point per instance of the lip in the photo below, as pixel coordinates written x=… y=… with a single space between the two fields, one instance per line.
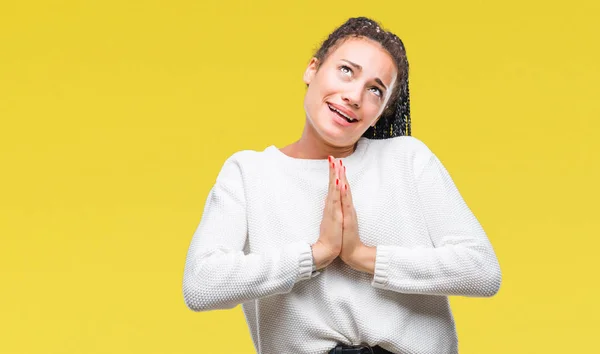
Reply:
x=343 y=110
x=339 y=120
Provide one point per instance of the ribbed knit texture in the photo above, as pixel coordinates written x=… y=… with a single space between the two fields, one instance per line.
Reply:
x=252 y=247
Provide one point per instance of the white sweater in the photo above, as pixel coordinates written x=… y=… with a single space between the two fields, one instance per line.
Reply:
x=252 y=247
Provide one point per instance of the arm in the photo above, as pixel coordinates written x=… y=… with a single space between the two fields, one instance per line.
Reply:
x=217 y=274
x=462 y=261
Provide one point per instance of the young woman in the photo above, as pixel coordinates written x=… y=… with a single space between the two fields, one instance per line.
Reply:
x=351 y=239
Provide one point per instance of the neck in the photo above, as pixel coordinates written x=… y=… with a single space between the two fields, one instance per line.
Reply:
x=312 y=146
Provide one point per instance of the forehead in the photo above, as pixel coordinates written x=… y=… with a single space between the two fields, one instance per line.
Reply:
x=374 y=59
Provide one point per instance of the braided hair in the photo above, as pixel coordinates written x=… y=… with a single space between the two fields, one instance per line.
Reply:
x=395 y=119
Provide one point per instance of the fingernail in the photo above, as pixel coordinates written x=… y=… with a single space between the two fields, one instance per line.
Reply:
x=329 y=158
x=345 y=187
x=337 y=181
x=340 y=162
x=332 y=165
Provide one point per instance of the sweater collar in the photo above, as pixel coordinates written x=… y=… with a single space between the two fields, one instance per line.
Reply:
x=361 y=147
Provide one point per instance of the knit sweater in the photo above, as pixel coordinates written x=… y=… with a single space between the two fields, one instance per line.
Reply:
x=253 y=243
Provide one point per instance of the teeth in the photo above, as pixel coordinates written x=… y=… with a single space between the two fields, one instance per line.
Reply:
x=342 y=113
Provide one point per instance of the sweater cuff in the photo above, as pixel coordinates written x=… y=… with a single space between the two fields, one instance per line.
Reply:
x=305 y=261
x=382 y=263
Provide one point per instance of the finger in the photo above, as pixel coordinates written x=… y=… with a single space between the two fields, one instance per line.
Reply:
x=340 y=166
x=336 y=195
x=344 y=199
x=336 y=202
x=344 y=181
x=332 y=175
x=342 y=173
x=348 y=193
x=345 y=190
x=334 y=183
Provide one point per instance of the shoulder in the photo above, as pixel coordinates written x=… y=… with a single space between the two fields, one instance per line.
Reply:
x=402 y=144
x=241 y=162
x=404 y=148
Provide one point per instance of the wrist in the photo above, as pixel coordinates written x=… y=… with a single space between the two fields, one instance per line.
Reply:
x=363 y=259
x=322 y=256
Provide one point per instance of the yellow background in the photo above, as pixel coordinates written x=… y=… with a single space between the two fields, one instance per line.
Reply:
x=116 y=117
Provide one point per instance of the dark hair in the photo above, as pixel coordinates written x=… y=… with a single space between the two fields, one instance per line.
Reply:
x=395 y=119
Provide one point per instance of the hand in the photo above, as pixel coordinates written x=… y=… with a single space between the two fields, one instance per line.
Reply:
x=351 y=243
x=329 y=244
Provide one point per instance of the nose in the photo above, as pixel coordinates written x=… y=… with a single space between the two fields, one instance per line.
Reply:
x=352 y=97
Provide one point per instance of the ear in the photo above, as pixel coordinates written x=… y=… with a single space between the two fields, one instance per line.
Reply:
x=311 y=70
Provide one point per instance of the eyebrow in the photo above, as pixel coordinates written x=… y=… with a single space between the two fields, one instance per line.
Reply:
x=359 y=68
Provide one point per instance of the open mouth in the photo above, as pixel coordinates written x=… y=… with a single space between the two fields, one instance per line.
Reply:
x=341 y=114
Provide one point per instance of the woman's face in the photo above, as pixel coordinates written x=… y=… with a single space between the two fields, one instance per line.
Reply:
x=356 y=82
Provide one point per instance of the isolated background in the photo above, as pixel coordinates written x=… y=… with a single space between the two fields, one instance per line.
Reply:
x=116 y=117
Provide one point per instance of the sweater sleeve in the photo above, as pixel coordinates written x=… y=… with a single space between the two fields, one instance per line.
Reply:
x=461 y=262
x=218 y=273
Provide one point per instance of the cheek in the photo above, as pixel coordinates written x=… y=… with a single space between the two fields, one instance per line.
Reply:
x=313 y=98
x=373 y=109
x=329 y=84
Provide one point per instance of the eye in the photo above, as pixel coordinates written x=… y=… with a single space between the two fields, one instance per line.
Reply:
x=345 y=69
x=377 y=91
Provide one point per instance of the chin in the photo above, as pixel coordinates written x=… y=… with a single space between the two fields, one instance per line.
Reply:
x=335 y=136
x=331 y=132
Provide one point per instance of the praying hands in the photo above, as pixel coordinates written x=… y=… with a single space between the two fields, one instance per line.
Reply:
x=339 y=227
